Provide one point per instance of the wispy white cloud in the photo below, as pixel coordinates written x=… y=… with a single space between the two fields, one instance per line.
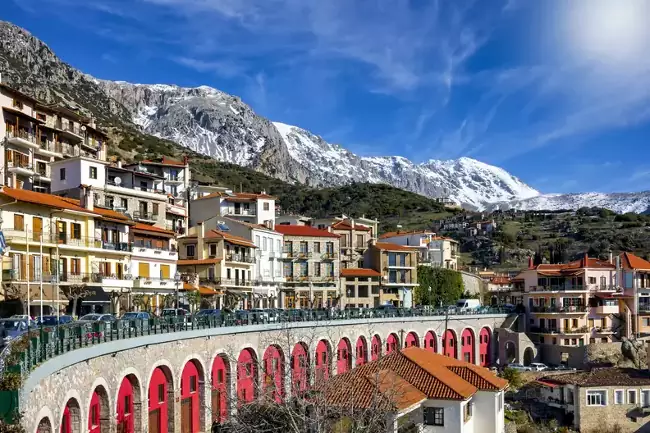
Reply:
x=223 y=68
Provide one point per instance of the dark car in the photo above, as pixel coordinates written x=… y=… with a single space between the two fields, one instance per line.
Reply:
x=54 y=320
x=10 y=329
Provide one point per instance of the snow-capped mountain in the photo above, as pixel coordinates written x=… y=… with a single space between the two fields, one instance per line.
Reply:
x=638 y=202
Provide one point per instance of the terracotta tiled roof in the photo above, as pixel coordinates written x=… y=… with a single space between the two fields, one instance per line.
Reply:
x=404 y=378
x=574 y=266
x=294 y=230
x=630 y=261
x=359 y=272
x=189 y=262
x=402 y=233
x=500 y=280
x=237 y=240
x=106 y=213
x=154 y=229
x=165 y=161
x=393 y=247
x=602 y=377
x=42 y=199
x=347 y=225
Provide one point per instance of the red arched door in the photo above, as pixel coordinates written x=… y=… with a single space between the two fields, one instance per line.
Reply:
x=300 y=369
x=274 y=374
x=431 y=342
x=125 y=423
x=190 y=403
x=467 y=345
x=449 y=344
x=343 y=356
x=362 y=351
x=412 y=340
x=220 y=388
x=246 y=376
x=322 y=360
x=392 y=344
x=375 y=348
x=484 y=348
x=94 y=413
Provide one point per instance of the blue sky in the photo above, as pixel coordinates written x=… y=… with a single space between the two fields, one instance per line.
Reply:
x=557 y=92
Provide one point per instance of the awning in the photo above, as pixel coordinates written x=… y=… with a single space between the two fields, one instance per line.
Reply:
x=96 y=295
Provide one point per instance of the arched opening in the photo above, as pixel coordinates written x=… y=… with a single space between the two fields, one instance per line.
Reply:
x=485 y=348
x=71 y=418
x=412 y=339
x=449 y=344
x=299 y=369
x=44 y=426
x=529 y=356
x=375 y=348
x=192 y=396
x=161 y=401
x=128 y=405
x=246 y=376
x=220 y=387
x=431 y=342
x=362 y=351
x=99 y=418
x=467 y=345
x=511 y=352
x=323 y=360
x=343 y=356
x=274 y=374
x=392 y=343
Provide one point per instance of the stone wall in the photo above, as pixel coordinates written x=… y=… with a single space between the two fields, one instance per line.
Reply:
x=603 y=418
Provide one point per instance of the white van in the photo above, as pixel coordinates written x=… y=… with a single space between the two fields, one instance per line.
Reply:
x=468 y=304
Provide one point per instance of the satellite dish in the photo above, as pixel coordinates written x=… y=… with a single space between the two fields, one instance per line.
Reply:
x=83 y=127
x=118 y=181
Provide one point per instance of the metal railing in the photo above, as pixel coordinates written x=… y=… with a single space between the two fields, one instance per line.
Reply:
x=116 y=246
x=329 y=255
x=240 y=258
x=540 y=330
x=21 y=133
x=19 y=164
x=246 y=212
x=555 y=288
x=148 y=216
x=556 y=309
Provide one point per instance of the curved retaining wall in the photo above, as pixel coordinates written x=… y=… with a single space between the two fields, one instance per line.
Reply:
x=59 y=394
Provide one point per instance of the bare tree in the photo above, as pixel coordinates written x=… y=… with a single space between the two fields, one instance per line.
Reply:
x=74 y=293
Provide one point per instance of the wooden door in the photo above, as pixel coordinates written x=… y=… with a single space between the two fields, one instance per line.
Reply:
x=63 y=271
x=45 y=268
x=154 y=421
x=23 y=266
x=186 y=415
x=38 y=228
x=32 y=267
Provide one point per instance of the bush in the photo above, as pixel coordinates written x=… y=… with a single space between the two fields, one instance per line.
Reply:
x=513 y=377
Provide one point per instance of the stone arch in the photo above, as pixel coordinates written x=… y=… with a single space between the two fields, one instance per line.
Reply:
x=192 y=385
x=300 y=369
x=485 y=347
x=160 y=394
x=510 y=352
x=128 y=404
x=274 y=373
x=392 y=343
x=44 y=425
x=529 y=356
x=375 y=348
x=323 y=360
x=99 y=409
x=71 y=414
x=220 y=397
x=361 y=350
x=412 y=339
x=467 y=344
x=44 y=421
x=343 y=356
x=450 y=344
x=247 y=381
x=431 y=342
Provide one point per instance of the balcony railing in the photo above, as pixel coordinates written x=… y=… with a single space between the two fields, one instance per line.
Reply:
x=555 y=288
x=240 y=258
x=555 y=309
x=300 y=254
x=308 y=278
x=42 y=171
x=246 y=212
x=539 y=330
x=116 y=246
x=21 y=133
x=19 y=164
x=329 y=255
x=146 y=216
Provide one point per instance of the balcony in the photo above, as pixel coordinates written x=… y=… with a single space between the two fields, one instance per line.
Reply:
x=145 y=216
x=117 y=246
x=49 y=148
x=237 y=282
x=176 y=209
x=567 y=331
x=65 y=241
x=644 y=308
x=361 y=246
x=240 y=258
x=603 y=330
x=399 y=281
x=329 y=255
x=573 y=309
x=43 y=174
x=556 y=289
x=21 y=138
x=603 y=288
x=70 y=130
x=174 y=180
x=149 y=251
x=109 y=281
x=605 y=309
x=295 y=254
x=154 y=283
x=297 y=279
x=20 y=167
x=401 y=265
x=240 y=211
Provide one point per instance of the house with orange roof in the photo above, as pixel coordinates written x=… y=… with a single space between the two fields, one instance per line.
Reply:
x=221 y=261
x=635 y=282
x=416 y=389
x=59 y=244
x=571 y=304
x=360 y=287
x=256 y=208
x=436 y=251
x=398 y=265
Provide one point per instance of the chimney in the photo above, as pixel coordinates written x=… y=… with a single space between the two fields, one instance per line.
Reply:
x=185 y=160
x=119 y=164
x=611 y=258
x=585 y=261
x=87 y=200
x=530 y=263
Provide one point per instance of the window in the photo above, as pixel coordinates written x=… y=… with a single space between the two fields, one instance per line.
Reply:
x=303 y=269
x=127 y=404
x=19 y=222
x=76 y=231
x=154 y=208
x=143 y=185
x=592 y=280
x=618 y=396
x=75 y=266
x=631 y=396
x=434 y=416
x=467 y=411
x=189 y=249
x=213 y=250
x=596 y=398
x=645 y=398
x=161 y=393
x=62 y=173
x=125 y=203
x=19 y=105
x=93 y=172
x=192 y=383
x=264 y=244
x=575 y=323
x=278 y=245
x=267 y=206
x=317 y=272
x=317 y=247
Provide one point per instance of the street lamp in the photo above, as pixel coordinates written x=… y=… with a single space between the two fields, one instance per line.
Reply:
x=177 y=279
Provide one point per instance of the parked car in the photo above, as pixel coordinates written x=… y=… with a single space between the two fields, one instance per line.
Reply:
x=53 y=320
x=136 y=319
x=563 y=367
x=108 y=319
x=259 y=315
x=384 y=310
x=209 y=312
x=11 y=328
x=518 y=367
x=538 y=366
x=467 y=305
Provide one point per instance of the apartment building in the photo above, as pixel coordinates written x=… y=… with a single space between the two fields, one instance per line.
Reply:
x=360 y=287
x=437 y=251
x=218 y=259
x=176 y=185
x=635 y=281
x=399 y=273
x=310 y=267
x=421 y=391
x=248 y=207
x=36 y=134
x=571 y=304
x=64 y=246
x=353 y=240
x=137 y=194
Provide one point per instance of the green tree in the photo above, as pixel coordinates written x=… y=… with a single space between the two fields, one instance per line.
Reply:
x=438 y=285
x=513 y=377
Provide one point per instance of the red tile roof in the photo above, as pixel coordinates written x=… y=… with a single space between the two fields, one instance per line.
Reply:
x=42 y=199
x=237 y=240
x=404 y=378
x=574 y=267
x=347 y=225
x=402 y=233
x=359 y=272
x=294 y=230
x=154 y=229
x=165 y=161
x=630 y=261
x=393 y=247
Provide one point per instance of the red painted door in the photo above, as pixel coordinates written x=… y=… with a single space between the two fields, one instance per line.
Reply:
x=391 y=344
x=375 y=348
x=219 y=389
x=362 y=353
x=190 y=397
x=449 y=344
x=322 y=361
x=94 y=424
x=300 y=367
x=158 y=404
x=343 y=356
x=125 y=407
x=412 y=340
x=246 y=372
x=66 y=425
x=485 y=347
x=274 y=374
x=467 y=346
x=430 y=342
